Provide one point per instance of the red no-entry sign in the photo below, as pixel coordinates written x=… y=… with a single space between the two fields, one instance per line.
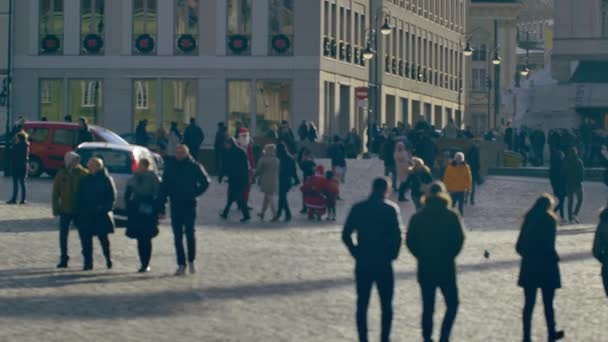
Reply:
x=361 y=93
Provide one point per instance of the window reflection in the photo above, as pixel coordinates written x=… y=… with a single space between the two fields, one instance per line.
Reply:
x=51 y=99
x=239 y=104
x=85 y=99
x=51 y=27
x=239 y=27
x=145 y=96
x=186 y=26
x=273 y=99
x=179 y=101
x=144 y=26
x=92 y=26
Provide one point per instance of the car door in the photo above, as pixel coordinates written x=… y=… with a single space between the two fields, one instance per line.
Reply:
x=39 y=143
x=62 y=141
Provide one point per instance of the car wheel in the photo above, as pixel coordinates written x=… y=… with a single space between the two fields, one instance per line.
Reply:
x=35 y=167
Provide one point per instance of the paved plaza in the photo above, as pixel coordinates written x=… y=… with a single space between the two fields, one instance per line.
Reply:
x=270 y=282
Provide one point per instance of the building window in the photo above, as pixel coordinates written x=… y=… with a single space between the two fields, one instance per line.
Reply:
x=51 y=27
x=479 y=79
x=92 y=27
x=51 y=99
x=273 y=101
x=281 y=24
x=85 y=99
x=186 y=27
x=146 y=103
x=438 y=117
x=239 y=104
x=179 y=101
x=604 y=18
x=480 y=54
x=405 y=111
x=239 y=27
x=144 y=27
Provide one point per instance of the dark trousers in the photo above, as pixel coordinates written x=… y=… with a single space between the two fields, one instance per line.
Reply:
x=384 y=279
x=450 y=295
x=402 y=190
x=579 y=202
x=64 y=230
x=458 y=198
x=472 y=192
x=389 y=170
x=417 y=202
x=605 y=278
x=182 y=223
x=530 y=301
x=144 y=249
x=283 y=205
x=560 y=205
x=236 y=196
x=86 y=239
x=18 y=181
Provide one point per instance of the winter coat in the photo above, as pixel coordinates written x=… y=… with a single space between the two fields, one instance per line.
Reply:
x=84 y=135
x=388 y=153
x=555 y=175
x=332 y=192
x=600 y=241
x=20 y=156
x=450 y=131
x=337 y=154
x=315 y=190
x=183 y=183
x=193 y=138
x=352 y=145
x=142 y=201
x=377 y=223
x=236 y=167
x=65 y=188
x=308 y=168
x=474 y=160
x=536 y=245
x=435 y=237
x=172 y=141
x=141 y=136
x=419 y=181
x=94 y=203
x=303 y=132
x=458 y=178
x=402 y=164
x=572 y=173
x=268 y=173
x=288 y=175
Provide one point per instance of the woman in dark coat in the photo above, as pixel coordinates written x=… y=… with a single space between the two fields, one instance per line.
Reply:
x=539 y=264
x=600 y=246
x=288 y=177
x=142 y=201
x=94 y=202
x=20 y=155
x=557 y=181
x=236 y=167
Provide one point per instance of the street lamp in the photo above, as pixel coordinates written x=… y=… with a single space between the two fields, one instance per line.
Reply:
x=525 y=71
x=386 y=28
x=368 y=53
x=497 y=59
x=468 y=50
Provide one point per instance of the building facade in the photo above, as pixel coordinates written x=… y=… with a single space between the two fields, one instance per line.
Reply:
x=257 y=62
x=492 y=33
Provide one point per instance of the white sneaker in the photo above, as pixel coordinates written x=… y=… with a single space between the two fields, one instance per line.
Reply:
x=192 y=268
x=181 y=270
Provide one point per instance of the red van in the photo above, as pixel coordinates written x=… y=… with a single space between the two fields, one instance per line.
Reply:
x=50 y=141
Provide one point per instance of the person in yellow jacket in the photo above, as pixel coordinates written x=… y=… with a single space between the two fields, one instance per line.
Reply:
x=65 y=187
x=458 y=180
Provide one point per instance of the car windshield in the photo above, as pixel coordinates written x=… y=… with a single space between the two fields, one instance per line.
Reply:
x=110 y=137
x=116 y=161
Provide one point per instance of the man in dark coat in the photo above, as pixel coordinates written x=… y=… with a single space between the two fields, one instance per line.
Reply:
x=377 y=223
x=236 y=167
x=303 y=131
x=84 y=135
x=435 y=237
x=19 y=158
x=337 y=154
x=288 y=177
x=286 y=136
x=94 y=203
x=352 y=144
x=218 y=146
x=474 y=160
x=141 y=133
x=509 y=133
x=538 y=145
x=426 y=150
x=193 y=138
x=573 y=173
x=182 y=184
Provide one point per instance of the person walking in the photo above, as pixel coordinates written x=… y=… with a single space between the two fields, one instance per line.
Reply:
x=221 y=136
x=65 y=188
x=403 y=161
x=474 y=160
x=267 y=172
x=600 y=246
x=435 y=238
x=377 y=223
x=388 y=157
x=353 y=144
x=539 y=265
x=84 y=134
x=557 y=181
x=173 y=140
x=303 y=131
x=142 y=202
x=419 y=181
x=458 y=180
x=141 y=133
x=312 y=132
x=20 y=156
x=337 y=155
x=193 y=138
x=573 y=173
x=307 y=165
x=236 y=167
x=94 y=203
x=288 y=177
x=182 y=184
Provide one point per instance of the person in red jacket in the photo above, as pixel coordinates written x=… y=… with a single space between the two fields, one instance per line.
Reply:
x=333 y=192
x=314 y=190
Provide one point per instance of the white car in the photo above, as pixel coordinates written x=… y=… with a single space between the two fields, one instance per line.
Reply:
x=120 y=161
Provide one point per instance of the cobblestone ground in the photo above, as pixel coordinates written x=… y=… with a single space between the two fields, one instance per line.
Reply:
x=269 y=282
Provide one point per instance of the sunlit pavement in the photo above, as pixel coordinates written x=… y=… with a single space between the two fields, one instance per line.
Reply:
x=271 y=282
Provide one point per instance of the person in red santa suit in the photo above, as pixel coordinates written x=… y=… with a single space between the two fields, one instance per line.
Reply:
x=315 y=190
x=245 y=143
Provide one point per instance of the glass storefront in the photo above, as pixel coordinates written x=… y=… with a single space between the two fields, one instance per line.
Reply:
x=144 y=26
x=51 y=99
x=273 y=101
x=92 y=27
x=51 y=27
x=239 y=27
x=179 y=101
x=85 y=99
x=146 y=103
x=186 y=27
x=281 y=25
x=239 y=104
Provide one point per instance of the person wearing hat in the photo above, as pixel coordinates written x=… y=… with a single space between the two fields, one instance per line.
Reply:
x=65 y=187
x=314 y=190
x=236 y=168
x=435 y=237
x=458 y=180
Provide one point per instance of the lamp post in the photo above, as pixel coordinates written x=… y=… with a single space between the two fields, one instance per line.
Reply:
x=5 y=94
x=369 y=53
x=467 y=52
